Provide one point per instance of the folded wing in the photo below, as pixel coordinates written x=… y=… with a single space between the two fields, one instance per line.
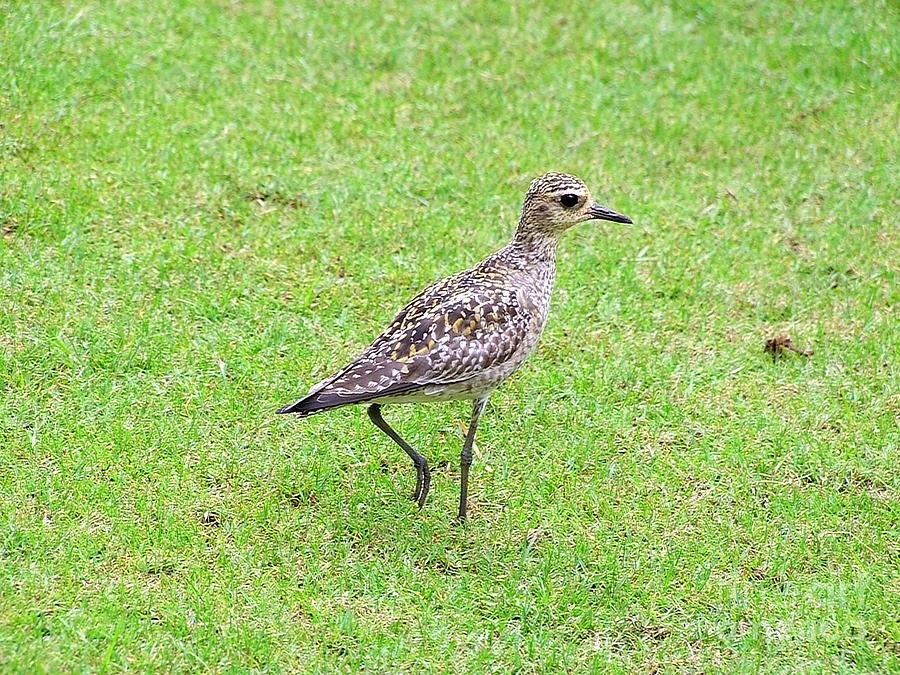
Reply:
x=437 y=339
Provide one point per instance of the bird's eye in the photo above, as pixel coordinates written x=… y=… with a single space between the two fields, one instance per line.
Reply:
x=568 y=200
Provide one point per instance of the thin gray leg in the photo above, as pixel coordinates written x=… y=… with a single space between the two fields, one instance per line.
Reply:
x=465 y=457
x=423 y=473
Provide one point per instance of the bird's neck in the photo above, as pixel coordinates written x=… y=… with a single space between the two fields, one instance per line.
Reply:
x=534 y=247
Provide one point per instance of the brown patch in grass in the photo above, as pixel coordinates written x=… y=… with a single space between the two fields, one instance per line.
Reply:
x=9 y=226
x=160 y=568
x=760 y=574
x=210 y=518
x=265 y=197
x=813 y=111
x=776 y=346
x=797 y=246
x=298 y=499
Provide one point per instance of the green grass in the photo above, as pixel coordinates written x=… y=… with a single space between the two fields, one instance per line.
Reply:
x=205 y=207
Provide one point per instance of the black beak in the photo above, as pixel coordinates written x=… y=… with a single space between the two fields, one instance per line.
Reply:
x=603 y=213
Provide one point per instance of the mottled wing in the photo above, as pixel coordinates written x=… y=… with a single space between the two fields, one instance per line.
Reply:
x=463 y=336
x=440 y=338
x=425 y=303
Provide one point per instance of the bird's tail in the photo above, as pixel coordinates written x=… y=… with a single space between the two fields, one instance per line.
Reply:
x=306 y=406
x=320 y=399
x=332 y=392
x=313 y=402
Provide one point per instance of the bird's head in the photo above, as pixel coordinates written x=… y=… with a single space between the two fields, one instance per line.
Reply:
x=557 y=201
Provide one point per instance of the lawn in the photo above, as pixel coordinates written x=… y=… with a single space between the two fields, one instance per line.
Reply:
x=207 y=207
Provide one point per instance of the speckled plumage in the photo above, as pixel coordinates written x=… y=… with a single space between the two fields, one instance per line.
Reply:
x=462 y=336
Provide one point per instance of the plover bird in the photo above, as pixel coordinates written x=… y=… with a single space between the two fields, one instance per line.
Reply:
x=464 y=335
